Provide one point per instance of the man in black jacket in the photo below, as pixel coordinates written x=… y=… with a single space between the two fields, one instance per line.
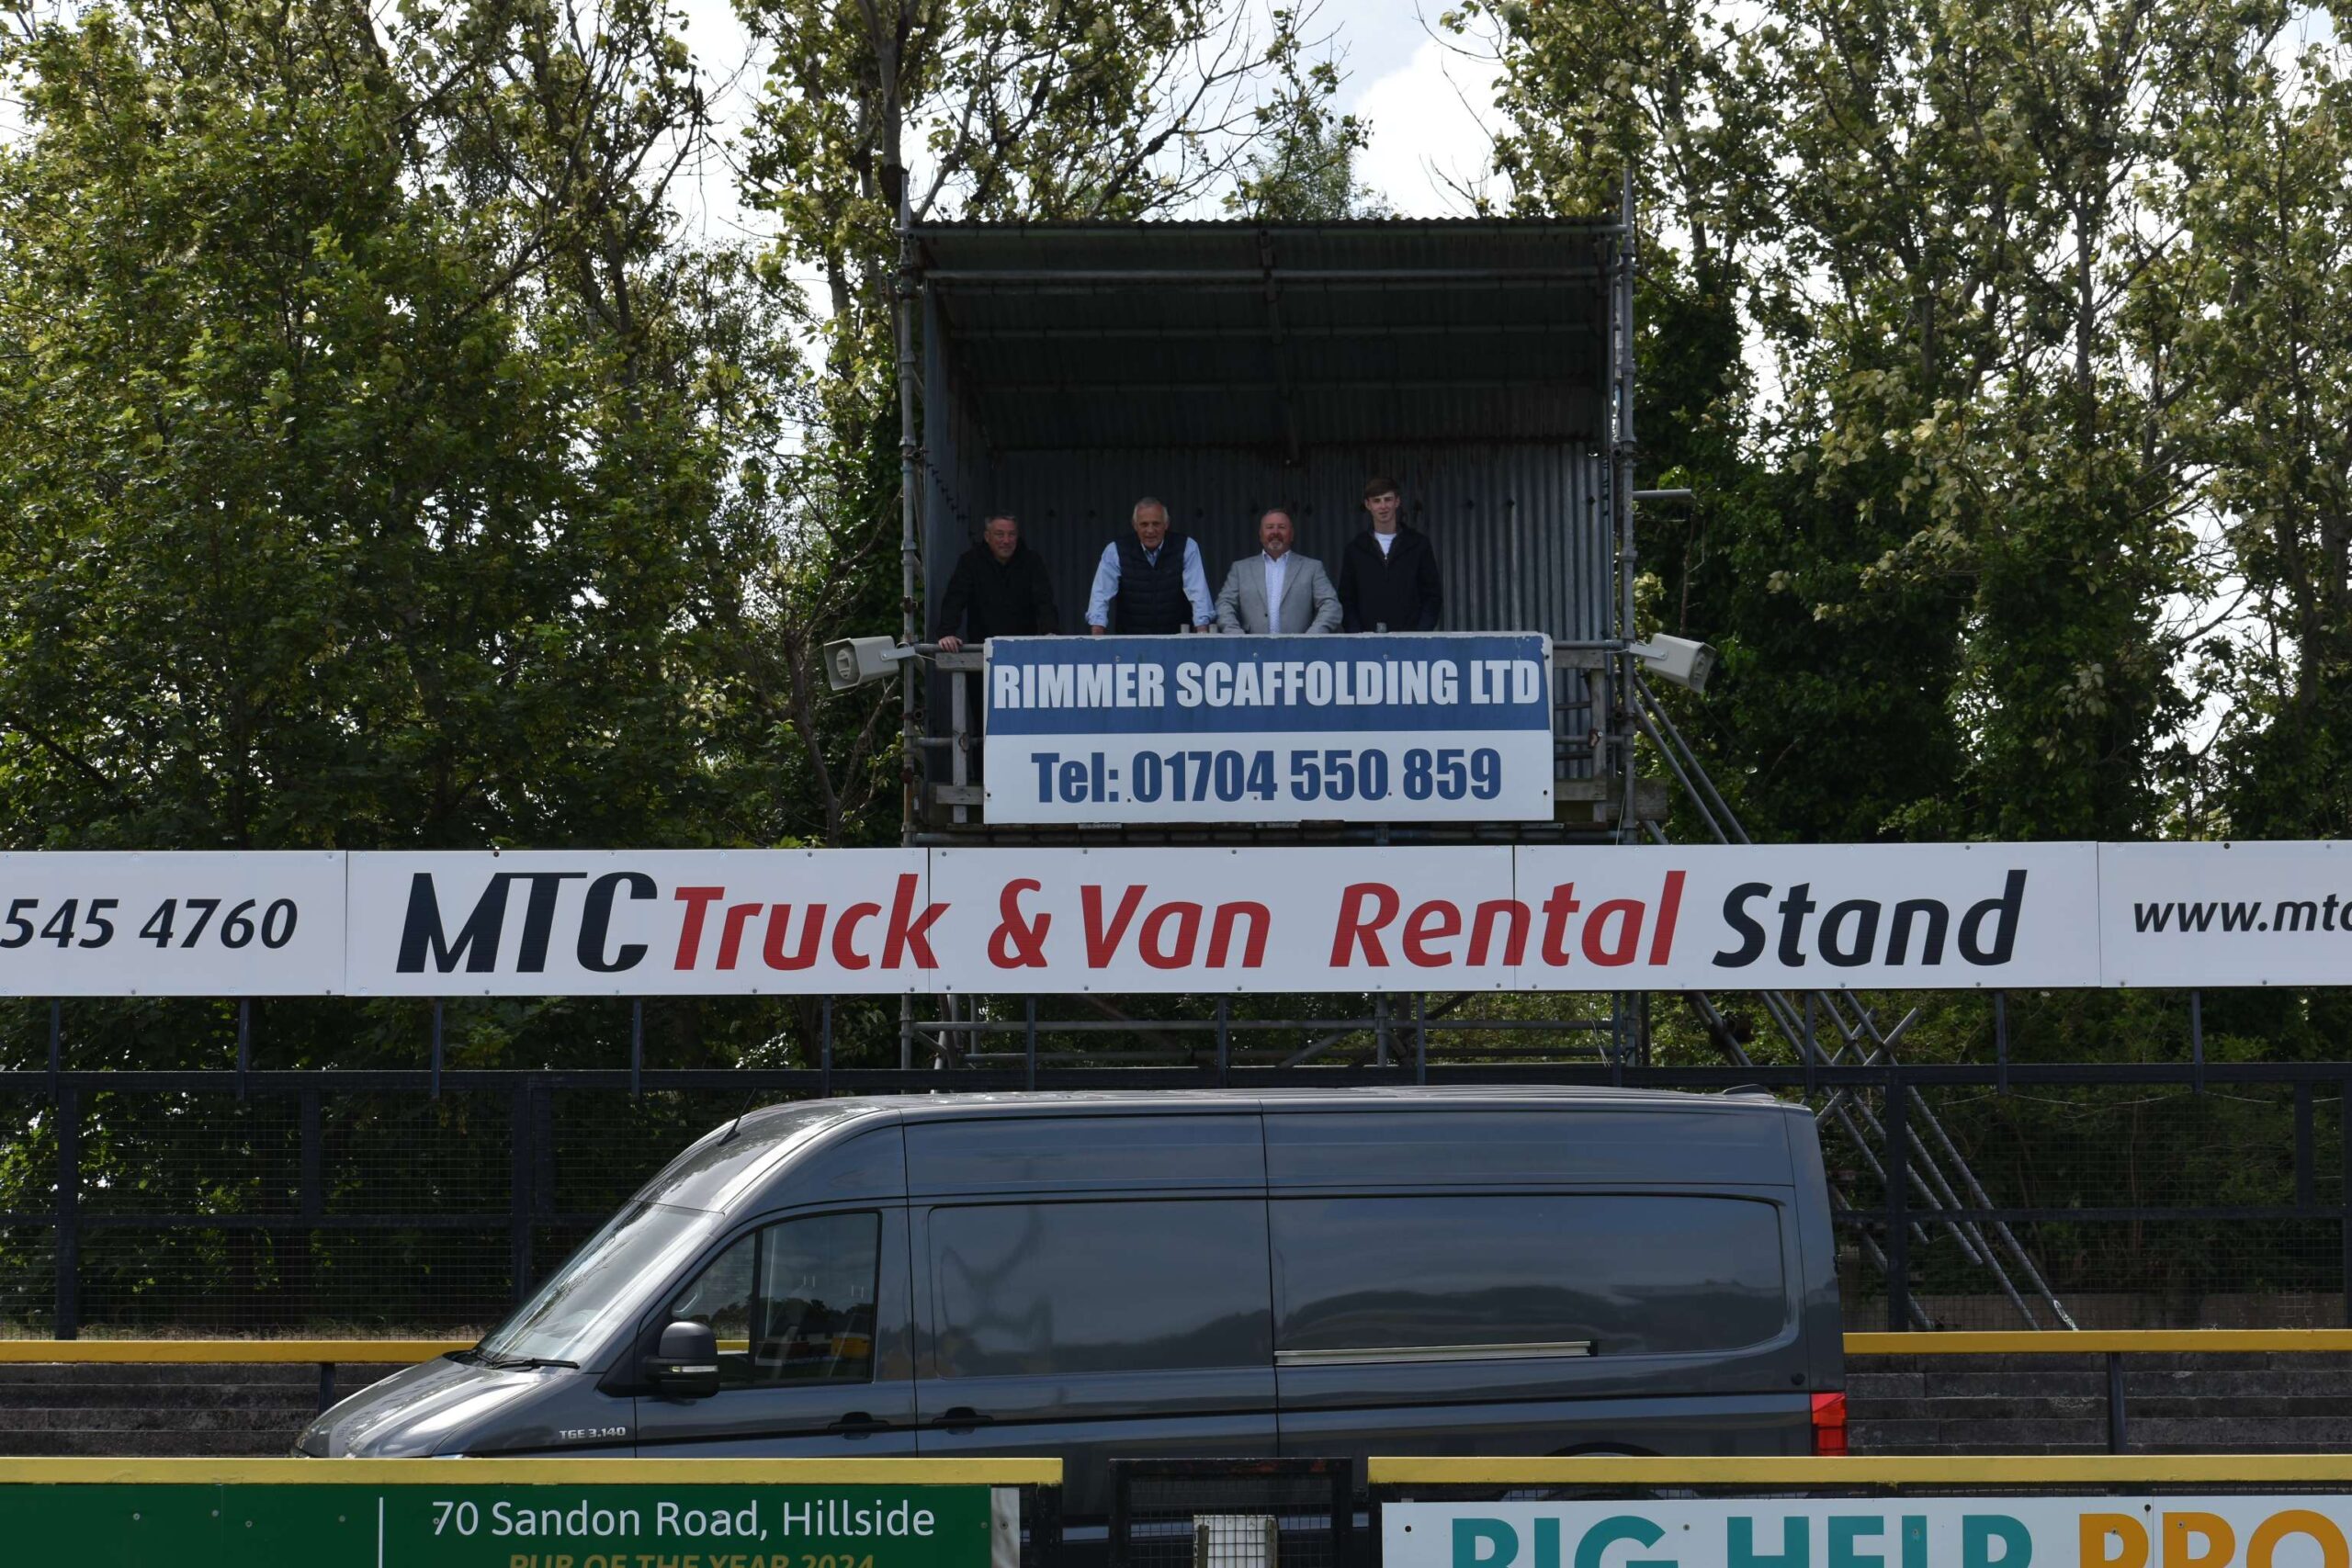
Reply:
x=1388 y=579
x=999 y=589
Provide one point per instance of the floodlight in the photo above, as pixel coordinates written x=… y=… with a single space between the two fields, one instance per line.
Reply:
x=1678 y=660
x=855 y=661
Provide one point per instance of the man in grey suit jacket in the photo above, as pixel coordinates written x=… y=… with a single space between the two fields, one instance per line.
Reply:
x=1301 y=593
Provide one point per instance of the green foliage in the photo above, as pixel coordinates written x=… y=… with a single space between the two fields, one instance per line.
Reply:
x=359 y=493
x=2040 y=302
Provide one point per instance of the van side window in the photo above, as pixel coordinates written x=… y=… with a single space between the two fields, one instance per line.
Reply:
x=792 y=1302
x=1046 y=1289
x=1606 y=1275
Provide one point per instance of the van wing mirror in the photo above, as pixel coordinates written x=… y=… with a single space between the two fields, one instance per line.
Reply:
x=686 y=1364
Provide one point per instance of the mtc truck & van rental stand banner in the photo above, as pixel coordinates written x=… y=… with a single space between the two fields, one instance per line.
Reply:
x=1189 y=920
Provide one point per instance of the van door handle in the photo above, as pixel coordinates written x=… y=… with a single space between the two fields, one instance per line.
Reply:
x=857 y=1424
x=963 y=1418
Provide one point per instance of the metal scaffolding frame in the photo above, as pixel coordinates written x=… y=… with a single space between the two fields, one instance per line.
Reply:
x=1603 y=676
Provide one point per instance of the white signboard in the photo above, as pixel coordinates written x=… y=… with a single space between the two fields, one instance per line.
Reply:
x=548 y=923
x=2230 y=914
x=2294 y=1532
x=1811 y=916
x=1223 y=920
x=1256 y=918
x=199 y=924
x=1535 y=920
x=1419 y=728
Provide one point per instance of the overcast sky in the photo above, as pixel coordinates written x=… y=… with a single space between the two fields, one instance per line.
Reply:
x=1427 y=104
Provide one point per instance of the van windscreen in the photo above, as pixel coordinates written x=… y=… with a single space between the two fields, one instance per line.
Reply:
x=1610 y=1274
x=602 y=1285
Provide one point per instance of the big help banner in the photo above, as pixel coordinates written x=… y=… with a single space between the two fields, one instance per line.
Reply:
x=1872 y=1532
x=1436 y=728
x=1194 y=919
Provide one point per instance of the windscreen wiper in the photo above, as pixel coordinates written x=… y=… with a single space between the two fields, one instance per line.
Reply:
x=517 y=1363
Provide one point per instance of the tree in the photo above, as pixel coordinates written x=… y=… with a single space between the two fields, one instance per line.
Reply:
x=2264 y=318
x=1936 y=226
x=361 y=496
x=1079 y=109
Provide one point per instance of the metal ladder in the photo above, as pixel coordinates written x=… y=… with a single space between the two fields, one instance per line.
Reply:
x=1939 y=1184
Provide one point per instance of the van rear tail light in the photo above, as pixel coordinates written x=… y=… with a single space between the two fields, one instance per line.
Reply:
x=1830 y=1423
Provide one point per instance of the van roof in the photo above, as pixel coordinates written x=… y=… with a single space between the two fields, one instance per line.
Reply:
x=727 y=1164
x=787 y=1119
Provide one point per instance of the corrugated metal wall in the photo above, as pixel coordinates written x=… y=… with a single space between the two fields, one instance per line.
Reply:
x=1518 y=532
x=1522 y=533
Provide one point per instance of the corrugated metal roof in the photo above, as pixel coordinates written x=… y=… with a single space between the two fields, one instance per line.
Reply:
x=1276 y=337
x=1068 y=370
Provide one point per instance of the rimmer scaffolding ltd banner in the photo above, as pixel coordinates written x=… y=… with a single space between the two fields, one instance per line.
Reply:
x=1238 y=918
x=1431 y=727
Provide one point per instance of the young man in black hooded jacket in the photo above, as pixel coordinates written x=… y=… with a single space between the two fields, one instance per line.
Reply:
x=1388 y=579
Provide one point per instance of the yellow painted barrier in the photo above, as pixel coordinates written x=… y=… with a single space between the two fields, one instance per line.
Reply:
x=228 y=1352
x=2019 y=1342
x=2007 y=1469
x=2092 y=1341
x=530 y=1471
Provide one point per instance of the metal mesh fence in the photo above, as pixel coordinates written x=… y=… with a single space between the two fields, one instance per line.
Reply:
x=332 y=1201
x=2105 y=1206
x=1232 y=1514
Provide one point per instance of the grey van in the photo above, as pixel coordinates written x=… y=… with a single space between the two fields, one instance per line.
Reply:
x=1164 y=1273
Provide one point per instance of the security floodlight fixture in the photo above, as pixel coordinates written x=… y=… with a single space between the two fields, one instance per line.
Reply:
x=1678 y=660
x=855 y=661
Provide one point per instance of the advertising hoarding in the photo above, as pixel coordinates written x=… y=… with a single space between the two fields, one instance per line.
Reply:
x=1178 y=919
x=1429 y=728
x=192 y=923
x=2289 y=1531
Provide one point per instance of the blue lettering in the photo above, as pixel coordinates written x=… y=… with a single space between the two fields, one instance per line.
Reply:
x=1470 y=1534
x=1796 y=1544
x=1979 y=1531
x=1617 y=1527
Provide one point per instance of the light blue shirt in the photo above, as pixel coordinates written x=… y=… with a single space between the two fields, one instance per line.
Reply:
x=1106 y=584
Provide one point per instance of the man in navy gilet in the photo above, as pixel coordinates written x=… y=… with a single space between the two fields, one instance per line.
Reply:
x=1151 y=583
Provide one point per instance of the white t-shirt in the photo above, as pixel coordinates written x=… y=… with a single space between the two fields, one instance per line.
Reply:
x=1277 y=570
x=1383 y=540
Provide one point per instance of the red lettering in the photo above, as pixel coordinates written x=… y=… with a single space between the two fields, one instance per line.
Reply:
x=1253 y=952
x=906 y=934
x=845 y=953
x=812 y=930
x=1354 y=927
x=1151 y=940
x=1661 y=943
x=1437 y=919
x=730 y=935
x=1669 y=904
x=1627 y=913
x=1103 y=945
x=697 y=901
x=1556 y=910
x=1482 y=930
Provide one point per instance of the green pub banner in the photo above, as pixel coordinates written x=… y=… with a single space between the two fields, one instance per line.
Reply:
x=447 y=1518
